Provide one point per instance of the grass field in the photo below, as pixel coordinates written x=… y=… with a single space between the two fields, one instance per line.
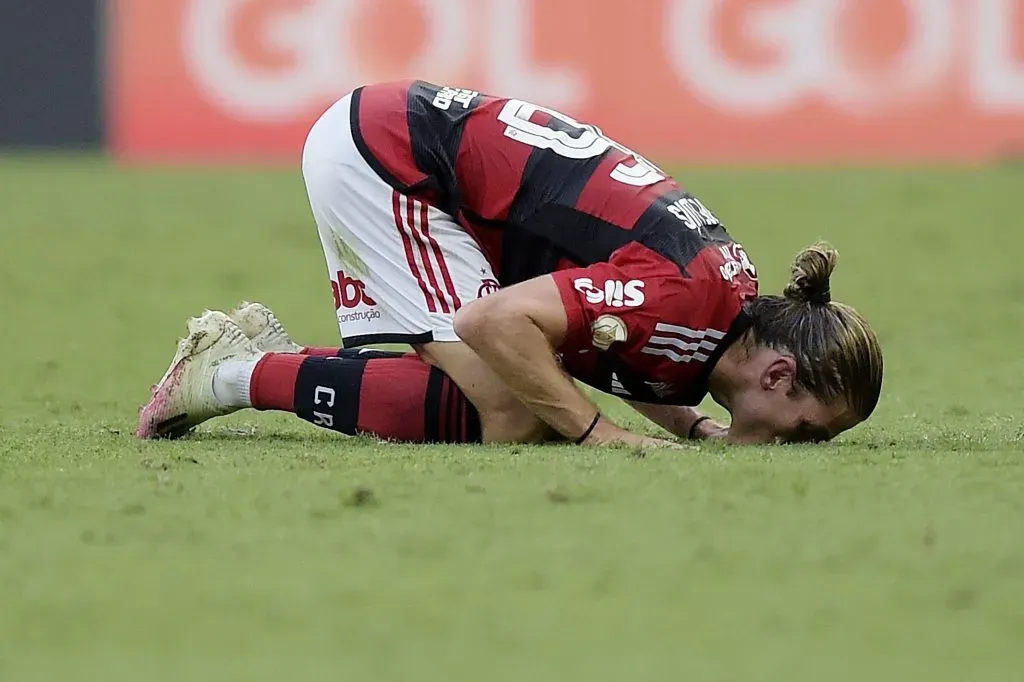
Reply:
x=263 y=549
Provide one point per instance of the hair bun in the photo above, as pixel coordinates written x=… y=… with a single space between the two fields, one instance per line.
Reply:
x=811 y=272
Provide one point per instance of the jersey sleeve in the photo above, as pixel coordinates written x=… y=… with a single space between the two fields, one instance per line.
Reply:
x=584 y=296
x=613 y=302
x=664 y=323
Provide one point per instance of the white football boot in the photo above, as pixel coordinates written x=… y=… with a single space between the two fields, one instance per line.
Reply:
x=184 y=397
x=263 y=328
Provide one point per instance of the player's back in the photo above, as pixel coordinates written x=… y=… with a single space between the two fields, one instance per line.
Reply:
x=537 y=189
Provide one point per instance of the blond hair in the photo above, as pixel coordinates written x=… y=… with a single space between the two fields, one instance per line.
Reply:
x=837 y=353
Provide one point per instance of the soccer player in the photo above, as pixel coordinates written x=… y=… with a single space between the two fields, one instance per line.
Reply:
x=516 y=249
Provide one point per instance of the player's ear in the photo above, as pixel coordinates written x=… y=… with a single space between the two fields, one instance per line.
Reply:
x=779 y=374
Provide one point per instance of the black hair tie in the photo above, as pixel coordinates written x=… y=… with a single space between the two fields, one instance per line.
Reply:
x=820 y=297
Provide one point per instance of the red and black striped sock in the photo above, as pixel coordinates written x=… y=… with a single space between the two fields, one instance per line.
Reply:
x=390 y=395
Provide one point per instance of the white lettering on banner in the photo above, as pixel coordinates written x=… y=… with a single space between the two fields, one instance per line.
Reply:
x=231 y=81
x=316 y=37
x=806 y=36
x=999 y=84
x=920 y=67
x=693 y=52
x=511 y=73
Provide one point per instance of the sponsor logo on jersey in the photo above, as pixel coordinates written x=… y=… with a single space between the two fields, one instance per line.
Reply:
x=448 y=96
x=487 y=286
x=350 y=292
x=736 y=261
x=682 y=344
x=615 y=293
x=608 y=329
x=693 y=214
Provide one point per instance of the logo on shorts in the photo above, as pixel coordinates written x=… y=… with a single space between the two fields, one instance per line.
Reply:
x=488 y=286
x=614 y=293
x=350 y=293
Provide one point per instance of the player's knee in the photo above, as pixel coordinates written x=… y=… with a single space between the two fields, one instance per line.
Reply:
x=469 y=321
x=480 y=319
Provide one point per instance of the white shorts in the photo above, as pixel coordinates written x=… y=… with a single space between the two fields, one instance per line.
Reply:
x=399 y=268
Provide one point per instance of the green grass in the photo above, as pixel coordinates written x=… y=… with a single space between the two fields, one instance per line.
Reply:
x=896 y=553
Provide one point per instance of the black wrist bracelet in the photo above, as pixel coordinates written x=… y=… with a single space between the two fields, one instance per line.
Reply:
x=590 y=429
x=693 y=429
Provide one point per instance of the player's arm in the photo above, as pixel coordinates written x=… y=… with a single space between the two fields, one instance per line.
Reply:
x=516 y=331
x=679 y=420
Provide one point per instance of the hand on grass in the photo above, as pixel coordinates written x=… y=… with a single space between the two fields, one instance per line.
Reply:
x=607 y=433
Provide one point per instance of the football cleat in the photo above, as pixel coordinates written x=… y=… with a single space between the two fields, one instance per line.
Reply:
x=184 y=397
x=263 y=328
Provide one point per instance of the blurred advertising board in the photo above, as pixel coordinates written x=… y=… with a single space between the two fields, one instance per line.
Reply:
x=703 y=81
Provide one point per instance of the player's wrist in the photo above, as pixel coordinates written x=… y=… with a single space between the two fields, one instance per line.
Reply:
x=705 y=428
x=606 y=432
x=696 y=432
x=589 y=431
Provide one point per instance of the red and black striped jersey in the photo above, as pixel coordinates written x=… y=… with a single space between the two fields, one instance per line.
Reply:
x=543 y=193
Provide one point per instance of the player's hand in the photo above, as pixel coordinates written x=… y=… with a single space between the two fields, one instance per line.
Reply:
x=606 y=433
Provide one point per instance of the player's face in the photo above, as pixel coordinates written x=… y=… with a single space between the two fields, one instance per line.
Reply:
x=802 y=419
x=775 y=411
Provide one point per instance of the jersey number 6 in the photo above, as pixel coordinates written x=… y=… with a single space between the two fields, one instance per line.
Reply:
x=574 y=141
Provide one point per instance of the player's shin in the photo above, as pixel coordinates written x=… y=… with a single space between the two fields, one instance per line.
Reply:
x=390 y=395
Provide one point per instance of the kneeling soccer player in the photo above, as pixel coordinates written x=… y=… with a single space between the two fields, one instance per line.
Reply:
x=515 y=249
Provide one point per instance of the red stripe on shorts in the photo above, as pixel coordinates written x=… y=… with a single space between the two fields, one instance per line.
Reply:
x=448 y=284
x=409 y=257
x=410 y=207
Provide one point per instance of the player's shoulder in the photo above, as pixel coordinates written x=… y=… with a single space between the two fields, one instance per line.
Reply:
x=380 y=101
x=707 y=292
x=722 y=273
x=726 y=263
x=445 y=97
x=703 y=260
x=688 y=317
x=421 y=96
